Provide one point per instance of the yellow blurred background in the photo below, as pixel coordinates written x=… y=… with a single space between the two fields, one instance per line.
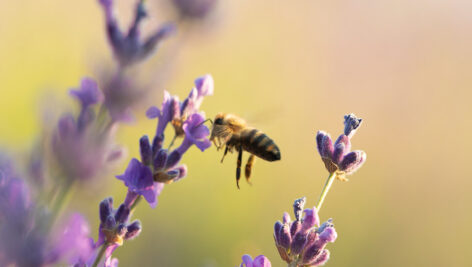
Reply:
x=291 y=68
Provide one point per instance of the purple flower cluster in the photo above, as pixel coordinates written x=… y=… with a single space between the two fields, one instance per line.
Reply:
x=128 y=47
x=302 y=242
x=82 y=146
x=27 y=239
x=338 y=158
x=115 y=228
x=259 y=261
x=158 y=166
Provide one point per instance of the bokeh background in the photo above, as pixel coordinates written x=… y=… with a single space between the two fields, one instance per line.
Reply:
x=290 y=68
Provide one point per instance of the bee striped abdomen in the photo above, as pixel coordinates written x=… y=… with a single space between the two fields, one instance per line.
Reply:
x=259 y=144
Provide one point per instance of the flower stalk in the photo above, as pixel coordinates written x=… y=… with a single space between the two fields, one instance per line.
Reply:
x=324 y=192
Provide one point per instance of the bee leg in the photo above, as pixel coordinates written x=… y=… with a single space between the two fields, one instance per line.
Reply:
x=226 y=151
x=238 y=166
x=248 y=169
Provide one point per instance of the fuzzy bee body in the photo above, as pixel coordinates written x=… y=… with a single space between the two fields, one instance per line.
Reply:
x=231 y=132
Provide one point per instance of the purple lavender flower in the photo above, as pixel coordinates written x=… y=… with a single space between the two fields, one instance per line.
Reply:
x=88 y=93
x=139 y=180
x=81 y=148
x=194 y=9
x=72 y=241
x=338 y=158
x=128 y=47
x=301 y=242
x=259 y=261
x=24 y=241
x=114 y=228
x=176 y=112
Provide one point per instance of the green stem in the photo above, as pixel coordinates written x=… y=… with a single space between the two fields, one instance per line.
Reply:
x=172 y=142
x=136 y=202
x=326 y=188
x=60 y=201
x=100 y=255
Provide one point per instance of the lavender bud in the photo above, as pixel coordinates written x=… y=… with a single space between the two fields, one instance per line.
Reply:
x=353 y=161
x=338 y=153
x=295 y=227
x=160 y=159
x=122 y=214
x=321 y=259
x=145 y=150
x=312 y=252
x=286 y=218
x=278 y=225
x=298 y=206
x=173 y=159
x=284 y=237
x=133 y=230
x=329 y=235
x=311 y=237
x=324 y=144
x=328 y=223
x=311 y=219
x=351 y=123
x=110 y=222
x=105 y=208
x=157 y=144
x=298 y=243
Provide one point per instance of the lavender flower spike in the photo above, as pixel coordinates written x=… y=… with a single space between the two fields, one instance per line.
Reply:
x=337 y=158
x=129 y=48
x=305 y=245
x=259 y=261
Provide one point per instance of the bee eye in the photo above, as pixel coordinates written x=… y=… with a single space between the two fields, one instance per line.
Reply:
x=219 y=121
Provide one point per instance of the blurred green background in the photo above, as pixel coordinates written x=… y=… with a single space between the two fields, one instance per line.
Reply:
x=290 y=68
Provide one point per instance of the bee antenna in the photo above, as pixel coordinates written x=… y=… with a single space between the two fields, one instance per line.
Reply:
x=206 y=121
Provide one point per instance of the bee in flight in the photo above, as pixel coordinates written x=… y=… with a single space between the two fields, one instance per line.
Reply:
x=231 y=131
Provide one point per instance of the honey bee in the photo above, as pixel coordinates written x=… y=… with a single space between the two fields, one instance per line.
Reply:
x=231 y=131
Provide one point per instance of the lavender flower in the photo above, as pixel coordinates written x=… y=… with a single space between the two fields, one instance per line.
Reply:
x=24 y=240
x=194 y=9
x=114 y=228
x=176 y=112
x=259 y=261
x=128 y=47
x=139 y=180
x=301 y=242
x=82 y=147
x=338 y=158
x=73 y=241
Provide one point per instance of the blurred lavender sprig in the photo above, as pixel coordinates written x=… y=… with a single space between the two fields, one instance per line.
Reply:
x=129 y=48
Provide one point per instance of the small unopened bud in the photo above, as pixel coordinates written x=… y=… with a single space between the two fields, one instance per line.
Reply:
x=286 y=218
x=351 y=123
x=298 y=243
x=157 y=144
x=298 y=206
x=133 y=230
x=173 y=159
x=311 y=219
x=321 y=259
x=328 y=235
x=105 y=208
x=122 y=214
x=145 y=150
x=284 y=237
x=295 y=227
x=160 y=159
x=353 y=161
